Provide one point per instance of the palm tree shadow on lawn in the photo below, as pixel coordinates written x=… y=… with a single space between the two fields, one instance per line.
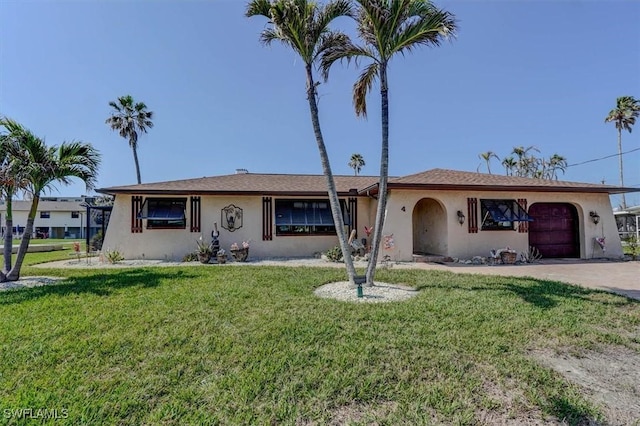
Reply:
x=540 y=293
x=97 y=284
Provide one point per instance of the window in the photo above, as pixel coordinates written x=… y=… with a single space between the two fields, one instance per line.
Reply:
x=75 y=215
x=501 y=214
x=164 y=213
x=45 y=215
x=306 y=217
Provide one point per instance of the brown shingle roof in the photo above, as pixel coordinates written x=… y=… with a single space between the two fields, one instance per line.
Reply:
x=435 y=179
x=249 y=183
x=452 y=179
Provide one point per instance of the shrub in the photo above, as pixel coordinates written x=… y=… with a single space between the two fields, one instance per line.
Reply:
x=113 y=256
x=96 y=241
x=334 y=254
x=190 y=257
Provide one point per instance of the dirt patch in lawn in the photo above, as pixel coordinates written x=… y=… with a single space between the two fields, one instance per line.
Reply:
x=610 y=377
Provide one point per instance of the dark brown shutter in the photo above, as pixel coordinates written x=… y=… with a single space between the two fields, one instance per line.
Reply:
x=353 y=215
x=267 y=219
x=195 y=214
x=472 y=215
x=523 y=227
x=136 y=223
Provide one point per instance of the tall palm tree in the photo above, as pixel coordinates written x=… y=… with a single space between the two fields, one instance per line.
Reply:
x=387 y=28
x=44 y=166
x=356 y=163
x=487 y=156
x=509 y=164
x=624 y=116
x=556 y=162
x=12 y=180
x=526 y=164
x=303 y=26
x=128 y=118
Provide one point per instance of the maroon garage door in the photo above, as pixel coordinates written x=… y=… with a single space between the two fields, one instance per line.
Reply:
x=554 y=230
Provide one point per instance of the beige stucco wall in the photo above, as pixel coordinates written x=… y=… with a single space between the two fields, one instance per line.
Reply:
x=173 y=244
x=462 y=244
x=440 y=234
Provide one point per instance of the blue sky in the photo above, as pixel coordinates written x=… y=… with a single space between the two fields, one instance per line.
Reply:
x=520 y=73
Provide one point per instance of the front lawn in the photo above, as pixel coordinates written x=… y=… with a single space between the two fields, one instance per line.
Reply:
x=253 y=345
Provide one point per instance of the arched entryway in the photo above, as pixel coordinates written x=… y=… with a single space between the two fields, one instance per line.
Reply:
x=429 y=228
x=554 y=230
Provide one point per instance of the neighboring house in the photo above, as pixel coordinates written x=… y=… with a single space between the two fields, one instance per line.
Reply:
x=628 y=222
x=437 y=212
x=57 y=217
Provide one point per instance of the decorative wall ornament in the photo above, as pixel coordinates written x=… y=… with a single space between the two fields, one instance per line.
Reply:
x=231 y=217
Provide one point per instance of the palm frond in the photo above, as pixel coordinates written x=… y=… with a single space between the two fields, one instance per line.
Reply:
x=430 y=29
x=345 y=51
x=362 y=87
x=258 y=8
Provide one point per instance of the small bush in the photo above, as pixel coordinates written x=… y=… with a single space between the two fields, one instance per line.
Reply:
x=113 y=256
x=334 y=254
x=96 y=241
x=530 y=256
x=190 y=257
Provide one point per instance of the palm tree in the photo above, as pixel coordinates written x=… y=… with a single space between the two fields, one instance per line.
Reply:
x=387 y=28
x=128 y=118
x=43 y=167
x=356 y=163
x=526 y=164
x=556 y=162
x=12 y=180
x=624 y=116
x=487 y=156
x=509 y=164
x=303 y=26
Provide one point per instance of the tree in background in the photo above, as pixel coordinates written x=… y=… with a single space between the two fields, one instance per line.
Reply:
x=356 y=163
x=387 y=28
x=624 y=116
x=128 y=118
x=42 y=167
x=523 y=163
x=487 y=156
x=304 y=27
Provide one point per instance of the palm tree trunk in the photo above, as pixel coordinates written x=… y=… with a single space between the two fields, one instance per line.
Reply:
x=14 y=274
x=135 y=159
x=624 y=201
x=384 y=175
x=334 y=202
x=8 y=234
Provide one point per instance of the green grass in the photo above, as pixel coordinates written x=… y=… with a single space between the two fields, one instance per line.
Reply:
x=253 y=345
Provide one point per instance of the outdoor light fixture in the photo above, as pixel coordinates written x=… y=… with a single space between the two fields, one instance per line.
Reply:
x=460 y=217
x=595 y=217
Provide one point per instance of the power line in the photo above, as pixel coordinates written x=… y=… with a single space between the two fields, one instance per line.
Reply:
x=603 y=158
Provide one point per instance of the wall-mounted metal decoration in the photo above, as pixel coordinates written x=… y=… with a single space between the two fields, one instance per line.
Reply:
x=231 y=217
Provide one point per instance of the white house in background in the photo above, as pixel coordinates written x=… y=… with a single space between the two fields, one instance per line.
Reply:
x=628 y=222
x=437 y=212
x=57 y=217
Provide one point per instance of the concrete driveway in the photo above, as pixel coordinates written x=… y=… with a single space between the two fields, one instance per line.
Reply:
x=614 y=276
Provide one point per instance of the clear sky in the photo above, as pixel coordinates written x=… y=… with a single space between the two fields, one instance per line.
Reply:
x=520 y=73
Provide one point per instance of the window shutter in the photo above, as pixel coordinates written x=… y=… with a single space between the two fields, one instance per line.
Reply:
x=267 y=219
x=523 y=227
x=195 y=214
x=136 y=223
x=353 y=215
x=472 y=215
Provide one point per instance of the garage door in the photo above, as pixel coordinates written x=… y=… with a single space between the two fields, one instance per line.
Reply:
x=554 y=230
